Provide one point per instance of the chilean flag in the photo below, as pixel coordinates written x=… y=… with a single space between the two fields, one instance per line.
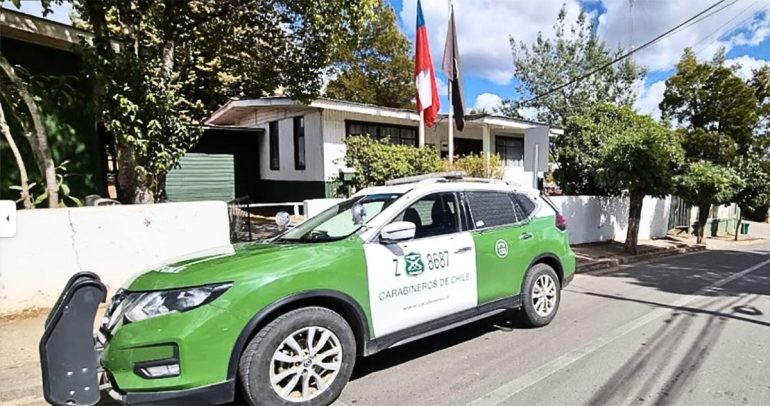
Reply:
x=427 y=92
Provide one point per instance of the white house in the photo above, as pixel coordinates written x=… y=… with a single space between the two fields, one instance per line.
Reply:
x=301 y=146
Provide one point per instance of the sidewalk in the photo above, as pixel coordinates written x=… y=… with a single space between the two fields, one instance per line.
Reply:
x=596 y=256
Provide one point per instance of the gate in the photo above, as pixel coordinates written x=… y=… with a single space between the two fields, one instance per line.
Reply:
x=679 y=216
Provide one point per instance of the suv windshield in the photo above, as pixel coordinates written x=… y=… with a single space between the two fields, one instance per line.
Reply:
x=337 y=222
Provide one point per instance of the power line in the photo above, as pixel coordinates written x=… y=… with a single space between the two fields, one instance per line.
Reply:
x=627 y=54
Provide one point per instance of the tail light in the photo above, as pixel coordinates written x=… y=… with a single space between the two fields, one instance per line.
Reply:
x=561 y=222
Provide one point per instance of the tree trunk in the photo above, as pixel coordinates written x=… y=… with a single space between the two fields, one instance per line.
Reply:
x=25 y=198
x=133 y=186
x=39 y=140
x=636 y=199
x=738 y=223
x=703 y=216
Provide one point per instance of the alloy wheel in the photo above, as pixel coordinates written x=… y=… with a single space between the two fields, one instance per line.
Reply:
x=544 y=295
x=305 y=364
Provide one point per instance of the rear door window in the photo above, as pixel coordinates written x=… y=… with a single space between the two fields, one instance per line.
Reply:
x=491 y=209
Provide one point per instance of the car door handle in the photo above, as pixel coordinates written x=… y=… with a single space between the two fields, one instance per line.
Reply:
x=526 y=236
x=463 y=249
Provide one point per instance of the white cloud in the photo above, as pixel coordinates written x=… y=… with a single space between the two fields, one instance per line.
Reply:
x=483 y=29
x=529 y=113
x=650 y=98
x=737 y=24
x=747 y=65
x=487 y=101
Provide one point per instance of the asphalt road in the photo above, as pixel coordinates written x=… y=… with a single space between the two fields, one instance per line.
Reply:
x=687 y=330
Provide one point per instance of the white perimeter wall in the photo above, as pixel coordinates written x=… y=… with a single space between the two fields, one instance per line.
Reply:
x=597 y=218
x=115 y=242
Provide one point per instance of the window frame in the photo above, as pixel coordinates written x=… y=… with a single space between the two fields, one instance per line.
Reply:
x=459 y=216
x=500 y=140
x=379 y=127
x=508 y=194
x=299 y=126
x=274 y=148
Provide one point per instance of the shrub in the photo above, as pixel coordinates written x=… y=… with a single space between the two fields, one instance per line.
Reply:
x=377 y=161
x=475 y=166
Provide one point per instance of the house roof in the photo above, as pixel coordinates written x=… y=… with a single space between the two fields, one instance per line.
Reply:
x=234 y=108
x=36 y=30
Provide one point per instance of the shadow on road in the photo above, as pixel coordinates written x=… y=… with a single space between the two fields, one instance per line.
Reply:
x=394 y=356
x=663 y=367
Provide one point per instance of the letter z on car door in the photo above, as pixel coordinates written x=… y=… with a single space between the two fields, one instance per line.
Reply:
x=430 y=276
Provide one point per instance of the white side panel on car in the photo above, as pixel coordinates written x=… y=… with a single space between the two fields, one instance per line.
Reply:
x=420 y=280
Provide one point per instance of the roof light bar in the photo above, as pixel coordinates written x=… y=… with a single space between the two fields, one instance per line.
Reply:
x=437 y=176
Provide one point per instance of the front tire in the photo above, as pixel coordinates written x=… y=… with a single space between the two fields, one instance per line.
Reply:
x=541 y=295
x=302 y=358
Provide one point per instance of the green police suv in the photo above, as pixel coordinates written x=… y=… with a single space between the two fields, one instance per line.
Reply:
x=283 y=321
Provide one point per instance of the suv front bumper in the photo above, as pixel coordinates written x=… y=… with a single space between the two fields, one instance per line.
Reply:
x=75 y=363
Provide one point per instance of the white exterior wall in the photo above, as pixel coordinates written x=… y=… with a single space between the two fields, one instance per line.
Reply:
x=115 y=242
x=334 y=136
x=597 y=218
x=314 y=151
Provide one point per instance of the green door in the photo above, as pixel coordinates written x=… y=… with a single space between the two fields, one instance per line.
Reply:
x=202 y=177
x=504 y=243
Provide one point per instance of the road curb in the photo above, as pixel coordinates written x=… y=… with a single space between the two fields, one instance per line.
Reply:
x=606 y=264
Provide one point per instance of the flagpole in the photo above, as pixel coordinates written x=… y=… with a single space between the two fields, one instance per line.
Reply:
x=421 y=131
x=450 y=125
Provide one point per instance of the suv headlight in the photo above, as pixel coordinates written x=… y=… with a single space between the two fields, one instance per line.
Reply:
x=145 y=305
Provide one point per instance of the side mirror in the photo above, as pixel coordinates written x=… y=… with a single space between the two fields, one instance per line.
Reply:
x=359 y=214
x=282 y=220
x=397 y=231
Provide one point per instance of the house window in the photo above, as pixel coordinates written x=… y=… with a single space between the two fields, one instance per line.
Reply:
x=511 y=150
x=275 y=162
x=397 y=134
x=299 y=143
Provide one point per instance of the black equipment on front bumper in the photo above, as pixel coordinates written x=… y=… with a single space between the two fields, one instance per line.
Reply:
x=68 y=355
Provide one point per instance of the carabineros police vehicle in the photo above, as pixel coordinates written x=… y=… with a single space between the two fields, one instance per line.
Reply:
x=283 y=321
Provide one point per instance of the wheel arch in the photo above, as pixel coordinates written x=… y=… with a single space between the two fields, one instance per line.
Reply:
x=551 y=260
x=336 y=301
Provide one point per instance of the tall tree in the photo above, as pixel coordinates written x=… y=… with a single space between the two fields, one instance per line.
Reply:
x=580 y=147
x=639 y=159
x=714 y=108
x=160 y=67
x=378 y=68
x=702 y=184
x=573 y=52
x=22 y=105
x=754 y=193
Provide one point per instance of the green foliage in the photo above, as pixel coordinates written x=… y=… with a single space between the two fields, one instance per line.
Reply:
x=476 y=166
x=376 y=161
x=378 y=69
x=573 y=52
x=578 y=149
x=716 y=110
x=754 y=170
x=39 y=194
x=703 y=183
x=640 y=157
x=179 y=60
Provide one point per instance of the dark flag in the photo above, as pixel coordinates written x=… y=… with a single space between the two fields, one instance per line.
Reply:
x=452 y=69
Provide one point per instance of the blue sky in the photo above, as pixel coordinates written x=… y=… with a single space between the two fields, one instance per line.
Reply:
x=484 y=28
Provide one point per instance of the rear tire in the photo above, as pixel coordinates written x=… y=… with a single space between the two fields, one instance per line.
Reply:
x=541 y=295
x=302 y=358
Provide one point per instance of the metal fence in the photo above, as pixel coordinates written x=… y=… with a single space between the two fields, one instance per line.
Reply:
x=247 y=225
x=679 y=216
